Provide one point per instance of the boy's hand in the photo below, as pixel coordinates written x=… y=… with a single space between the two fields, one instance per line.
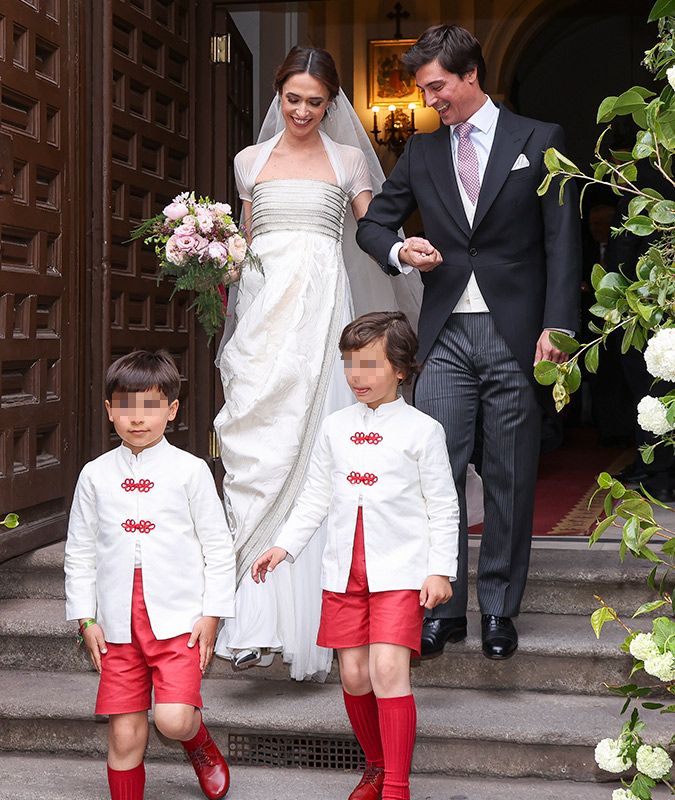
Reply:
x=267 y=562
x=435 y=590
x=94 y=641
x=204 y=632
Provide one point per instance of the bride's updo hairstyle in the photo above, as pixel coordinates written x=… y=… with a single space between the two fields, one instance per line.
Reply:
x=312 y=60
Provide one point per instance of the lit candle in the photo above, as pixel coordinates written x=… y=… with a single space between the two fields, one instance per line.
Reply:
x=375 y=111
x=392 y=108
x=412 y=107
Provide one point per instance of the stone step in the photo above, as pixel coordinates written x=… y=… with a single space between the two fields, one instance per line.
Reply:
x=29 y=777
x=557 y=652
x=561 y=580
x=479 y=733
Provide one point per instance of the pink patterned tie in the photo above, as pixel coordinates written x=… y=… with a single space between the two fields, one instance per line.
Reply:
x=467 y=162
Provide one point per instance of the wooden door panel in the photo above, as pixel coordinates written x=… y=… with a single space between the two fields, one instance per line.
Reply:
x=38 y=265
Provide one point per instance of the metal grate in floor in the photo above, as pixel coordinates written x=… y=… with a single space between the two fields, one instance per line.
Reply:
x=310 y=752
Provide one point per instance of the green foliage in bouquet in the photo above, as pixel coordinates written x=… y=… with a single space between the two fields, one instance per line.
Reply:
x=199 y=245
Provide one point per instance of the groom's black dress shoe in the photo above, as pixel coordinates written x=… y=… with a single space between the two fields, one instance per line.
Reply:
x=437 y=632
x=500 y=638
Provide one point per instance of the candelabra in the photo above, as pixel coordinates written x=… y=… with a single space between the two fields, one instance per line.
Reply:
x=397 y=127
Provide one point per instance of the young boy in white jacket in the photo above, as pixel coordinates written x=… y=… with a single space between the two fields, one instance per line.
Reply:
x=380 y=472
x=150 y=570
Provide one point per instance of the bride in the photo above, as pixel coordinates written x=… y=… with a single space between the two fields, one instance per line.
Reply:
x=303 y=186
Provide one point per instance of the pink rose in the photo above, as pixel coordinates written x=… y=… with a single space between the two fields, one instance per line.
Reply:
x=190 y=245
x=173 y=253
x=218 y=252
x=186 y=229
x=222 y=208
x=175 y=211
x=237 y=248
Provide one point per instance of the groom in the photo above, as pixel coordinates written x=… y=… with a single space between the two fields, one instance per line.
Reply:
x=501 y=268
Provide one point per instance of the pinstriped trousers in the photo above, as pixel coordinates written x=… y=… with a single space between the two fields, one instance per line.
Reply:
x=470 y=368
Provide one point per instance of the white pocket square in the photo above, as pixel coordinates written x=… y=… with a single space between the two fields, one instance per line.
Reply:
x=521 y=162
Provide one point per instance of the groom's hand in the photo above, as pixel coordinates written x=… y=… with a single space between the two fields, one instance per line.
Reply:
x=420 y=254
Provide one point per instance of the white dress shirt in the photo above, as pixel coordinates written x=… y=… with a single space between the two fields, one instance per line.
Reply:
x=164 y=501
x=392 y=461
x=482 y=136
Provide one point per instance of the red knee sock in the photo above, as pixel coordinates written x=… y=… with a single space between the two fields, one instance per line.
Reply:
x=127 y=784
x=198 y=739
x=398 y=719
x=363 y=715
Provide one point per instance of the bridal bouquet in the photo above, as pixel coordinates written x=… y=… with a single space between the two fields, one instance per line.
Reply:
x=198 y=243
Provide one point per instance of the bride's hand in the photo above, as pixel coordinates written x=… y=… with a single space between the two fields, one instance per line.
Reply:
x=267 y=562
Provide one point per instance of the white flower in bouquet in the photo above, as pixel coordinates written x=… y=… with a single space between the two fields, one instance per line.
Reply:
x=237 y=248
x=204 y=220
x=660 y=353
x=652 y=416
x=218 y=252
x=670 y=73
x=643 y=647
x=608 y=756
x=623 y=794
x=175 y=210
x=653 y=761
x=222 y=208
x=661 y=666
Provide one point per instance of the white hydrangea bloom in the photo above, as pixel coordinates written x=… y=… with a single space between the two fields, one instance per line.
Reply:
x=660 y=353
x=642 y=647
x=652 y=416
x=670 y=74
x=608 y=756
x=661 y=666
x=653 y=761
x=623 y=794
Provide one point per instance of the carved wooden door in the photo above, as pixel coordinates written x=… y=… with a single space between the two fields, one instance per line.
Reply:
x=39 y=259
x=148 y=119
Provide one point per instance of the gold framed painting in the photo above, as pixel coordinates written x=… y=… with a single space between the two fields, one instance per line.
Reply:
x=389 y=83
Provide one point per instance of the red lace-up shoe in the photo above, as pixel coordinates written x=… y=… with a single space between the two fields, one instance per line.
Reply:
x=370 y=786
x=211 y=768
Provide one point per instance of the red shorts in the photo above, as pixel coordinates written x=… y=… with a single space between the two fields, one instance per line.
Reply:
x=361 y=617
x=129 y=672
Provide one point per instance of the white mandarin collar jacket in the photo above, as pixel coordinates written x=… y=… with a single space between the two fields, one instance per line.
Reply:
x=166 y=500
x=393 y=461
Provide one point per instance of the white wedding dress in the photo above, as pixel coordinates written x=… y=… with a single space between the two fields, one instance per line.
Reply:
x=282 y=374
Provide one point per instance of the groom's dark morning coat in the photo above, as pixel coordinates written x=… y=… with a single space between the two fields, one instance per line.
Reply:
x=524 y=250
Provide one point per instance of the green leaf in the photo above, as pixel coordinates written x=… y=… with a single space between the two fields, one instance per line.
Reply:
x=628 y=102
x=600 y=616
x=573 y=378
x=662 y=8
x=563 y=342
x=546 y=372
x=551 y=160
x=651 y=579
x=651 y=706
x=640 y=225
x=647 y=453
x=606 y=109
x=663 y=633
x=600 y=529
x=544 y=185
x=592 y=358
x=647 y=608
x=663 y=212
x=638 y=204
x=629 y=172
x=630 y=534
x=604 y=480
x=10 y=521
x=600 y=170
x=597 y=274
x=642 y=786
